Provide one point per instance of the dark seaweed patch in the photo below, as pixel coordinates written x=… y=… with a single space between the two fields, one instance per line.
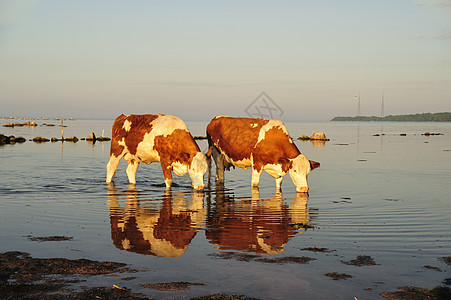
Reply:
x=361 y=261
x=338 y=276
x=432 y=268
x=24 y=277
x=235 y=255
x=413 y=293
x=259 y=258
x=445 y=259
x=171 y=286
x=54 y=238
x=287 y=259
x=315 y=249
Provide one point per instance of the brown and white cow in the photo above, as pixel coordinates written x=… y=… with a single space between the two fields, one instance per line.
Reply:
x=259 y=144
x=156 y=138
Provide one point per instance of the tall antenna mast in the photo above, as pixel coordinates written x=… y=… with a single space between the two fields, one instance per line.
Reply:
x=382 y=107
x=358 y=104
x=358 y=109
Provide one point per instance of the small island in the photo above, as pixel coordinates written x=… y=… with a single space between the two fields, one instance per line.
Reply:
x=424 y=117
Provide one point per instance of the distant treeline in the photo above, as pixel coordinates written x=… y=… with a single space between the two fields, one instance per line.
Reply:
x=425 y=117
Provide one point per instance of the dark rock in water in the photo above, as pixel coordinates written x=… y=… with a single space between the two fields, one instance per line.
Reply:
x=11 y=139
x=12 y=125
x=91 y=137
x=20 y=139
x=103 y=138
x=4 y=139
x=403 y=134
x=40 y=139
x=27 y=123
x=431 y=133
x=303 y=138
x=54 y=139
x=72 y=139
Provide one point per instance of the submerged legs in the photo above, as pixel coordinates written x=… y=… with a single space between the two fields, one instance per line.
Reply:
x=111 y=167
x=255 y=177
x=131 y=170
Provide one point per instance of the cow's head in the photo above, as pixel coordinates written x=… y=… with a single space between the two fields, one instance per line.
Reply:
x=197 y=170
x=300 y=168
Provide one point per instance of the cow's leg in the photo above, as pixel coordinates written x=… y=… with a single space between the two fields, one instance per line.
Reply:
x=279 y=183
x=167 y=173
x=219 y=161
x=112 y=166
x=255 y=177
x=131 y=170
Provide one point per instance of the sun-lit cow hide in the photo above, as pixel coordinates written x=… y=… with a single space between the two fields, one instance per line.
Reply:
x=259 y=226
x=156 y=138
x=164 y=231
x=259 y=144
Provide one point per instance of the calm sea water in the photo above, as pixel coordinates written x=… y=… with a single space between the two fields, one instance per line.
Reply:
x=386 y=196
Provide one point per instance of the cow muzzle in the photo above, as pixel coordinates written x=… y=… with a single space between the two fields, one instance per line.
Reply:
x=199 y=187
x=302 y=189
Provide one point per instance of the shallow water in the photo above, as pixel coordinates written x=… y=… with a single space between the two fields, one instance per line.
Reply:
x=384 y=196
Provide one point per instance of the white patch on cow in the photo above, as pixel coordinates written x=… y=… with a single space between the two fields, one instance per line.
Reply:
x=299 y=171
x=179 y=168
x=245 y=163
x=159 y=246
x=145 y=149
x=254 y=125
x=268 y=248
x=270 y=125
x=275 y=170
x=122 y=143
x=197 y=170
x=127 y=125
x=126 y=244
x=165 y=125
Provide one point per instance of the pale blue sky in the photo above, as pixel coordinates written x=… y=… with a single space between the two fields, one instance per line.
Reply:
x=199 y=59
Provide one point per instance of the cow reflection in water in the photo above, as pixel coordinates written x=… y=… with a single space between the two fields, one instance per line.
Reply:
x=259 y=225
x=165 y=230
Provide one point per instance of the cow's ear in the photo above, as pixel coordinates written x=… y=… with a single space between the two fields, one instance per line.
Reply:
x=286 y=164
x=314 y=164
x=208 y=154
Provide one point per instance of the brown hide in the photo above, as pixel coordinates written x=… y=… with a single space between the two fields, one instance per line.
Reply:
x=141 y=126
x=175 y=228
x=234 y=136
x=237 y=138
x=178 y=146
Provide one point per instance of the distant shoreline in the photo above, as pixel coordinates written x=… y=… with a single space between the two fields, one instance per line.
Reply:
x=424 y=117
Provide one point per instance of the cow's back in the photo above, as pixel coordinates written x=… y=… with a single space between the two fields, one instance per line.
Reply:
x=235 y=137
x=149 y=137
x=129 y=130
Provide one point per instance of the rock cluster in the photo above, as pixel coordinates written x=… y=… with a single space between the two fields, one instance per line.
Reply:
x=15 y=124
x=427 y=133
x=320 y=136
x=39 y=139
x=317 y=136
x=11 y=139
